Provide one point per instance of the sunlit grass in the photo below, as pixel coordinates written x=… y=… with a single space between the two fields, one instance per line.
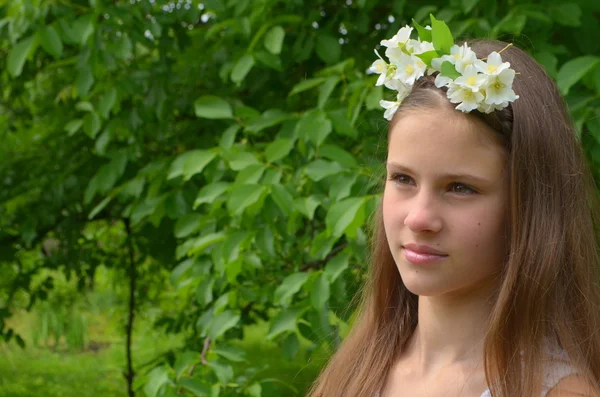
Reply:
x=98 y=370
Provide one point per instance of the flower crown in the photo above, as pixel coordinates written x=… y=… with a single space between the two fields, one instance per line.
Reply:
x=482 y=84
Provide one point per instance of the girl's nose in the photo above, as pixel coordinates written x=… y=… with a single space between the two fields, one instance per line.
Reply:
x=423 y=216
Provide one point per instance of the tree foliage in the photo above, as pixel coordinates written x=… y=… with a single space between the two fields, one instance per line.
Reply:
x=241 y=140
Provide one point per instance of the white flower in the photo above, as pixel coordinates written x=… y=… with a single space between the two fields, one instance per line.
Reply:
x=442 y=81
x=419 y=47
x=410 y=68
x=428 y=27
x=472 y=79
x=395 y=54
x=392 y=106
x=460 y=57
x=399 y=39
x=499 y=88
x=465 y=97
x=379 y=67
x=487 y=108
x=493 y=66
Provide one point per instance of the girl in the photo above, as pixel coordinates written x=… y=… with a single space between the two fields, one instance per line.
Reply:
x=484 y=277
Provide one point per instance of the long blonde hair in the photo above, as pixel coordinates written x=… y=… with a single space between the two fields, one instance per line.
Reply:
x=550 y=287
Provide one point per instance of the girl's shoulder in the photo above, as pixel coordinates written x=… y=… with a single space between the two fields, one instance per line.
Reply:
x=557 y=366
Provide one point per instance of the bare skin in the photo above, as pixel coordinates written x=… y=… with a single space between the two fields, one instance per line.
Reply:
x=464 y=218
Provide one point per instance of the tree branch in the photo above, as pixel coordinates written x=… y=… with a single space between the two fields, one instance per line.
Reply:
x=320 y=263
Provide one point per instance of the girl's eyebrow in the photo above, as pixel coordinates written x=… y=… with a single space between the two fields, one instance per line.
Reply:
x=448 y=175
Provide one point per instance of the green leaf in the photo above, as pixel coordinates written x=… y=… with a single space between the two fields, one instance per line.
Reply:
x=268 y=119
x=196 y=387
x=306 y=206
x=314 y=126
x=289 y=287
x=549 y=61
x=342 y=186
x=282 y=198
x=190 y=163
x=468 y=5
x=326 y=90
x=306 y=85
x=204 y=291
x=96 y=210
x=231 y=353
x=184 y=361
x=123 y=47
x=424 y=34
x=320 y=169
x=250 y=174
x=574 y=70
x=211 y=192
x=337 y=154
x=428 y=56
x=195 y=161
x=50 y=41
x=567 y=14
x=343 y=214
x=269 y=60
x=328 y=48
x=187 y=225
x=284 y=322
x=341 y=124
x=291 y=346
x=336 y=266
x=265 y=240
x=320 y=292
x=83 y=27
x=243 y=196
x=156 y=379
x=278 y=149
x=241 y=160
x=18 y=54
x=274 y=39
x=512 y=24
x=449 y=70
x=222 y=323
x=441 y=36
x=73 y=126
x=254 y=390
x=106 y=102
x=199 y=244
x=228 y=137
x=241 y=68
x=91 y=124
x=84 y=81
x=212 y=107
x=84 y=106
x=224 y=372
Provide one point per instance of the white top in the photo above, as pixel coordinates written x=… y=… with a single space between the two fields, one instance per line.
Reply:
x=557 y=367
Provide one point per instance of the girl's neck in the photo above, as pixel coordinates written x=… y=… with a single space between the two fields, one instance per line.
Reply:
x=451 y=329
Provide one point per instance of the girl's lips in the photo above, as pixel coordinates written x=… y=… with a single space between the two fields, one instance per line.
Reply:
x=420 y=258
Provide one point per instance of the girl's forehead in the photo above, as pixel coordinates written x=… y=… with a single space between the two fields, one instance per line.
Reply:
x=437 y=140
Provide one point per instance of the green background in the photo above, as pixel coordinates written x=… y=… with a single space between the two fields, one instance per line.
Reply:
x=211 y=167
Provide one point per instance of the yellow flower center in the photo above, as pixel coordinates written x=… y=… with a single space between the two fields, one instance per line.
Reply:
x=492 y=68
x=409 y=69
x=498 y=85
x=471 y=80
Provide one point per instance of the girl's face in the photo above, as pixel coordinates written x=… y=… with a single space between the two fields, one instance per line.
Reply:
x=444 y=202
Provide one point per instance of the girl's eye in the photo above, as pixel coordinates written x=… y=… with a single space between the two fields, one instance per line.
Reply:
x=460 y=188
x=401 y=179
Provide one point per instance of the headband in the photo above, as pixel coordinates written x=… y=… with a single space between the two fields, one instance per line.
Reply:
x=482 y=84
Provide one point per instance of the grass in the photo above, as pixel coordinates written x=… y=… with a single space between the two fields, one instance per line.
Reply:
x=97 y=371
